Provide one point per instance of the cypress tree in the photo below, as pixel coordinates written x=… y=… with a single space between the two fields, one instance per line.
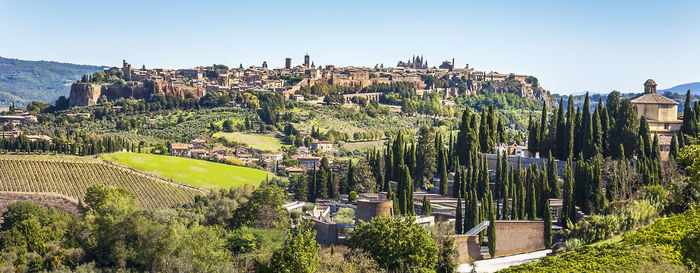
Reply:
x=543 y=145
x=570 y=128
x=547 y=217
x=520 y=184
x=689 y=126
x=463 y=136
x=351 y=178
x=457 y=184
x=498 y=182
x=458 y=215
x=409 y=190
x=492 y=235
x=673 y=150
x=443 y=173
x=586 y=127
x=484 y=179
x=553 y=178
x=532 y=136
x=427 y=211
x=389 y=164
x=312 y=186
x=531 y=208
x=597 y=133
x=605 y=127
x=484 y=135
x=568 y=209
x=543 y=193
x=560 y=143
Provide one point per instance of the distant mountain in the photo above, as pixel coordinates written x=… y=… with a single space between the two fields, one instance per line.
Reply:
x=694 y=88
x=24 y=81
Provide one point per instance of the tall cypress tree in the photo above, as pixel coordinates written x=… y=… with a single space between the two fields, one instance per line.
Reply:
x=689 y=126
x=350 y=178
x=443 y=173
x=520 y=187
x=597 y=134
x=543 y=193
x=560 y=143
x=457 y=184
x=484 y=135
x=532 y=204
x=570 y=126
x=568 y=207
x=547 y=217
x=587 y=127
x=409 y=191
x=553 y=177
x=543 y=143
x=492 y=235
x=458 y=215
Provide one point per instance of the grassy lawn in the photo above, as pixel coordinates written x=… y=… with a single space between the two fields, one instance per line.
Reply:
x=256 y=141
x=199 y=173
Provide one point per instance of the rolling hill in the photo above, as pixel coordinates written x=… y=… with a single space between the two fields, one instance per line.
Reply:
x=24 y=81
x=694 y=88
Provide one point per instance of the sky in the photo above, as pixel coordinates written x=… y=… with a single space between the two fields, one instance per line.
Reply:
x=570 y=46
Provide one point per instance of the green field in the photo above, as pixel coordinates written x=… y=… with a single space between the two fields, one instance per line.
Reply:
x=255 y=141
x=199 y=173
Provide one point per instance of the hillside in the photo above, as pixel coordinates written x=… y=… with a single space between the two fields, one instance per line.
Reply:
x=199 y=173
x=71 y=176
x=694 y=88
x=657 y=247
x=23 y=81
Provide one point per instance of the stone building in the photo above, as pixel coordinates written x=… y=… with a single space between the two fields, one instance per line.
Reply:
x=660 y=112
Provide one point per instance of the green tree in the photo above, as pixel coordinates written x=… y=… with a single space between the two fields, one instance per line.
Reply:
x=626 y=129
x=458 y=215
x=299 y=253
x=426 y=156
x=492 y=234
x=689 y=126
x=397 y=244
x=553 y=177
x=547 y=217
x=568 y=209
x=426 y=211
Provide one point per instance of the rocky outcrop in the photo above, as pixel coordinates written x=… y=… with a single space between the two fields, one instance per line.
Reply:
x=84 y=94
x=87 y=94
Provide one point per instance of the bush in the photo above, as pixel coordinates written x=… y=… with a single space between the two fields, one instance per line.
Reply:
x=352 y=196
x=396 y=244
x=344 y=216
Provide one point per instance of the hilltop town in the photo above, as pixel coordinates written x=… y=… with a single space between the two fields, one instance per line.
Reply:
x=127 y=81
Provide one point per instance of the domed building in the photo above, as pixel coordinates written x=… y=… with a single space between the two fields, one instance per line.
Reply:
x=661 y=114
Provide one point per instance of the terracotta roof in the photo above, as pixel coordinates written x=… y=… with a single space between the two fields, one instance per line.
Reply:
x=653 y=98
x=650 y=82
x=179 y=146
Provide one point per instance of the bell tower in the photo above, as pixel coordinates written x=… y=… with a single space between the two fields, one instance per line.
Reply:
x=649 y=86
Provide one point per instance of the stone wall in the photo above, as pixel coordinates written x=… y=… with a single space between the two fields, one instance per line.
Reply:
x=326 y=232
x=513 y=237
x=467 y=247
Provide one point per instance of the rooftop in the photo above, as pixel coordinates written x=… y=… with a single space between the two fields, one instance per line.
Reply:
x=653 y=98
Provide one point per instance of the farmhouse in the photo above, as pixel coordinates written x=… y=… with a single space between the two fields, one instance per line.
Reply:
x=310 y=162
x=179 y=149
x=323 y=146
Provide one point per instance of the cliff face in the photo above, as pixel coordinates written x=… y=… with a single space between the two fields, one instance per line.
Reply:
x=86 y=94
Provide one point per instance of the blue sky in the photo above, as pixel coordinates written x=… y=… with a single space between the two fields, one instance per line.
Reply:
x=571 y=46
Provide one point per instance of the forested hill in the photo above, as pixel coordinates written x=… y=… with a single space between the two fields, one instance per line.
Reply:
x=23 y=81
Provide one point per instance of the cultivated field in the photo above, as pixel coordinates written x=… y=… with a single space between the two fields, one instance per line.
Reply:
x=199 y=173
x=71 y=176
x=255 y=141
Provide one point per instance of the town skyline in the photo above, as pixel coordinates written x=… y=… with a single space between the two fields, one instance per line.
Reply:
x=614 y=46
